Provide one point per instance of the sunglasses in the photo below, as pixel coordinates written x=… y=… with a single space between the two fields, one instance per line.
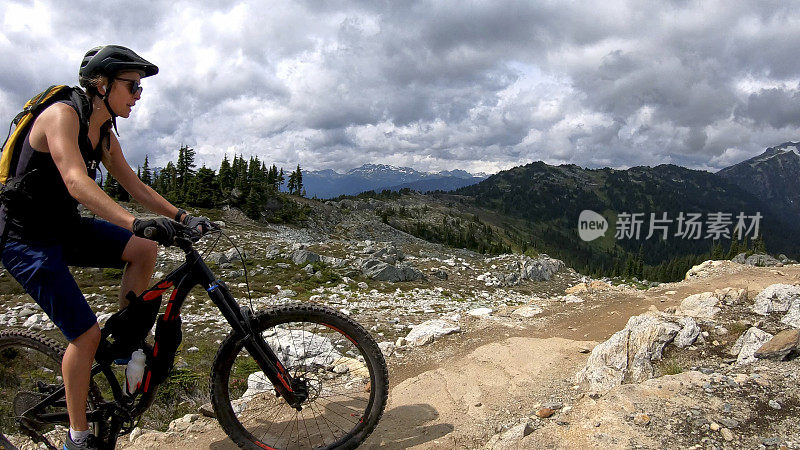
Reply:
x=135 y=87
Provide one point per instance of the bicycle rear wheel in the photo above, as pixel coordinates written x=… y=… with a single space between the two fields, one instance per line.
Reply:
x=30 y=370
x=329 y=355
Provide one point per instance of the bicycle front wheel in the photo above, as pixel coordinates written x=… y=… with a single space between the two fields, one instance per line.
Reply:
x=330 y=356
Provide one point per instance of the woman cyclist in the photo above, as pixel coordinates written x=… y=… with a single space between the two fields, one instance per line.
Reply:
x=46 y=235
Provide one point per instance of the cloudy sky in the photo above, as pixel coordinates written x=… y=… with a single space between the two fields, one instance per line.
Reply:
x=434 y=85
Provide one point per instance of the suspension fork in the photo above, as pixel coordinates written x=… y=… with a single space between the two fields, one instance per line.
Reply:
x=241 y=320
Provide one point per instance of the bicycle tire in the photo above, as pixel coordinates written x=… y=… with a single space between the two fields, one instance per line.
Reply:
x=340 y=363
x=26 y=358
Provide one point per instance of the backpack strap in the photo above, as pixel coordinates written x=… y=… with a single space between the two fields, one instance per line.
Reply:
x=84 y=109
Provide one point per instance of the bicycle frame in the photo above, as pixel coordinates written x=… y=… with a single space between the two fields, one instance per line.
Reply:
x=125 y=408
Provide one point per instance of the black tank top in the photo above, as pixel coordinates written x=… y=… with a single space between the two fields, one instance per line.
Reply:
x=52 y=212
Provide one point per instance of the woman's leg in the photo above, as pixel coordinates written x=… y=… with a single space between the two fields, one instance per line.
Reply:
x=140 y=256
x=44 y=274
x=76 y=367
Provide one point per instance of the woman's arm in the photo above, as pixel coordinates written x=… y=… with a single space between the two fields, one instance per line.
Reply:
x=118 y=167
x=60 y=124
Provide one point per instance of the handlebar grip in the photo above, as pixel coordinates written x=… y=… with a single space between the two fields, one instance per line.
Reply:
x=149 y=232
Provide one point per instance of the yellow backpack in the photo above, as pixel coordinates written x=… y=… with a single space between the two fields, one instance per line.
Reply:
x=23 y=122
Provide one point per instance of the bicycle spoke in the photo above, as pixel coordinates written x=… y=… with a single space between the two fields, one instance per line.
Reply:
x=330 y=370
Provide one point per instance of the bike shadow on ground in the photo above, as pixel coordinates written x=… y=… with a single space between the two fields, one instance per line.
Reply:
x=407 y=426
x=400 y=428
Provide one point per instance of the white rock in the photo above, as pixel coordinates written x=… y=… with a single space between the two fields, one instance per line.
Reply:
x=702 y=305
x=257 y=383
x=627 y=355
x=32 y=321
x=750 y=341
x=430 y=330
x=792 y=317
x=286 y=293
x=777 y=297
x=135 y=434
x=387 y=348
x=480 y=312
x=528 y=311
x=510 y=439
x=101 y=319
x=193 y=350
x=572 y=299
x=688 y=333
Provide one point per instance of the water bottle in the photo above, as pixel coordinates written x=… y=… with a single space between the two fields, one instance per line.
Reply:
x=135 y=371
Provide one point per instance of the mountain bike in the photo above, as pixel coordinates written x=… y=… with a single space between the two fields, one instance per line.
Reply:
x=291 y=376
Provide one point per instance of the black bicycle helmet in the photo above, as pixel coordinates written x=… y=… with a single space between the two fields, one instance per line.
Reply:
x=109 y=60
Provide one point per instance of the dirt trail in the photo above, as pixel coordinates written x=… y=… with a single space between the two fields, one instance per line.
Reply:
x=454 y=393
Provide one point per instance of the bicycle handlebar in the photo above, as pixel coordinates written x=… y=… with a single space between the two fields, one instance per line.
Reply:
x=184 y=236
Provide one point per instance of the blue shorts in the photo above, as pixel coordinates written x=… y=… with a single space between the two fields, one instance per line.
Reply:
x=44 y=273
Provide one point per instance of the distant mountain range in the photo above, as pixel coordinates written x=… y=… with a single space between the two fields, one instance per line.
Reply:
x=377 y=177
x=773 y=177
x=549 y=199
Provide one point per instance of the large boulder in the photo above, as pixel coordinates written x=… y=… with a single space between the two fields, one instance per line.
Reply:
x=217 y=258
x=389 y=254
x=762 y=260
x=707 y=268
x=409 y=273
x=731 y=296
x=539 y=269
x=702 y=305
x=776 y=297
x=382 y=271
x=627 y=355
x=236 y=255
x=748 y=343
x=780 y=345
x=792 y=317
x=528 y=311
x=688 y=333
x=302 y=257
x=430 y=330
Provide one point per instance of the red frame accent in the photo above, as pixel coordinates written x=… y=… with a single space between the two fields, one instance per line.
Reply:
x=157 y=291
x=147 y=381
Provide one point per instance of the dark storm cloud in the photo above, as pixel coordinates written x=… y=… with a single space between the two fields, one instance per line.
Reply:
x=776 y=108
x=480 y=85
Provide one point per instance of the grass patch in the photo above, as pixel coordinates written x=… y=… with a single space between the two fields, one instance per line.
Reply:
x=671 y=367
x=737 y=328
x=112 y=274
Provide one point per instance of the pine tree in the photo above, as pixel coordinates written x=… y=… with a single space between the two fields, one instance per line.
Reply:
x=147 y=174
x=734 y=249
x=168 y=182
x=253 y=204
x=272 y=176
x=716 y=251
x=111 y=186
x=292 y=184
x=185 y=167
x=759 y=246
x=279 y=181
x=225 y=176
x=205 y=189
x=298 y=181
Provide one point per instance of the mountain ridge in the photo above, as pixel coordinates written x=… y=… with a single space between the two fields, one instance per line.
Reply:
x=329 y=183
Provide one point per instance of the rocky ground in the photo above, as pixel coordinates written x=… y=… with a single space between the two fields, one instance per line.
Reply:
x=505 y=352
